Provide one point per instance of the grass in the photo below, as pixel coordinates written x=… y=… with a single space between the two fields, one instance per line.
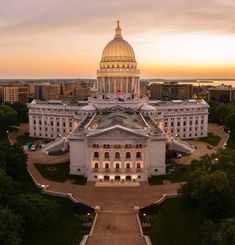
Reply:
x=25 y=138
x=174 y=225
x=67 y=229
x=231 y=142
x=59 y=173
x=211 y=139
x=175 y=173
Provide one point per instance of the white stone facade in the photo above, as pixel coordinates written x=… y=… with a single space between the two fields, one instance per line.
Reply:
x=118 y=135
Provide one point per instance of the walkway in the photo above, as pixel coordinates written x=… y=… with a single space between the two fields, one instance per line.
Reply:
x=116 y=223
x=202 y=146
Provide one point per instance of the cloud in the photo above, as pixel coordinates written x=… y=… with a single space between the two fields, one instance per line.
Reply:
x=27 y=17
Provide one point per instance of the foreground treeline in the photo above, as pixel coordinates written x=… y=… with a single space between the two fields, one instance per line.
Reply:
x=12 y=115
x=20 y=210
x=28 y=217
x=223 y=114
x=210 y=190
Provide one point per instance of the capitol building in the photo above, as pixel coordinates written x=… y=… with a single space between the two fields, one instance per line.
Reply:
x=118 y=134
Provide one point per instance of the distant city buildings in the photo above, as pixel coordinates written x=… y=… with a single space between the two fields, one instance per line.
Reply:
x=171 y=91
x=221 y=93
x=14 y=93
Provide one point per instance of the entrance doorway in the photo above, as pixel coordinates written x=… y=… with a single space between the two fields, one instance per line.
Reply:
x=128 y=178
x=106 y=178
x=117 y=178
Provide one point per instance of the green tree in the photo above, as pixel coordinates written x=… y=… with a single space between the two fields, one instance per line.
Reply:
x=8 y=118
x=12 y=159
x=8 y=190
x=36 y=210
x=210 y=192
x=11 y=227
x=22 y=111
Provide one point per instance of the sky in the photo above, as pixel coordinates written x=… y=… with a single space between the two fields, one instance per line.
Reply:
x=172 y=39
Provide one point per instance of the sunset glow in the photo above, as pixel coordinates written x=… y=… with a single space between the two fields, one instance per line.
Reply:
x=60 y=39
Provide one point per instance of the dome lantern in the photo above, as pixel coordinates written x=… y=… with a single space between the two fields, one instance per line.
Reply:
x=118 y=30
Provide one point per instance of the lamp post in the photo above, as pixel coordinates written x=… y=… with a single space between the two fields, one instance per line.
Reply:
x=8 y=136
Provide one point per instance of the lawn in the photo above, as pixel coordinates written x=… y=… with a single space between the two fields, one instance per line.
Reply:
x=67 y=229
x=175 y=173
x=59 y=173
x=211 y=139
x=231 y=142
x=175 y=226
x=25 y=138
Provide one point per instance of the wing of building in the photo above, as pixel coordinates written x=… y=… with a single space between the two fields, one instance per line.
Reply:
x=118 y=134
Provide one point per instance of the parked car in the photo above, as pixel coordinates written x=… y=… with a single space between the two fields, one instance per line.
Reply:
x=33 y=148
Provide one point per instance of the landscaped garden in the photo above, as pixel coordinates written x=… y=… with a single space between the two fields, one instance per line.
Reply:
x=173 y=225
x=211 y=139
x=24 y=139
x=28 y=217
x=59 y=173
x=175 y=173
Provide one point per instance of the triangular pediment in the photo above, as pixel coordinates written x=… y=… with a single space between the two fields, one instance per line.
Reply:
x=117 y=132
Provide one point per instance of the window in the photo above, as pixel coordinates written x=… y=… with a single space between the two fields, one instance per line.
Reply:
x=128 y=154
x=156 y=170
x=117 y=165
x=138 y=165
x=79 y=170
x=138 y=154
x=96 y=165
x=117 y=155
x=96 y=154
x=106 y=165
x=106 y=155
x=128 y=165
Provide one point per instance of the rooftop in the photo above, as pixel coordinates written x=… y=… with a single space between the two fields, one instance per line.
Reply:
x=118 y=116
x=177 y=102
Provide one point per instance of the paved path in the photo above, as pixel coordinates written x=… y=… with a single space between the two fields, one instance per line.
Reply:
x=202 y=146
x=117 y=228
x=116 y=223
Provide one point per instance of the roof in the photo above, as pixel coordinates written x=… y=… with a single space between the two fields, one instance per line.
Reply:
x=118 y=117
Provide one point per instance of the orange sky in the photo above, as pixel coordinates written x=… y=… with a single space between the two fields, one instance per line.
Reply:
x=171 y=39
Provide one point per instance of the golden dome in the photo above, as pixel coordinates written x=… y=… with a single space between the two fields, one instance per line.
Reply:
x=118 y=49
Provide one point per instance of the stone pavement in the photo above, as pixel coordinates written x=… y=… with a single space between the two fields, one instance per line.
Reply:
x=116 y=223
x=117 y=228
x=202 y=146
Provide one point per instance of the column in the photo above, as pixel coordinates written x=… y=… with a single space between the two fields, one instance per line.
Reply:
x=122 y=159
x=109 y=88
x=115 y=81
x=134 y=161
x=111 y=160
x=101 y=156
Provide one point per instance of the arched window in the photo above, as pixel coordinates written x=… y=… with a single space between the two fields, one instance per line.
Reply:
x=117 y=155
x=106 y=155
x=128 y=154
x=96 y=165
x=138 y=154
x=96 y=154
